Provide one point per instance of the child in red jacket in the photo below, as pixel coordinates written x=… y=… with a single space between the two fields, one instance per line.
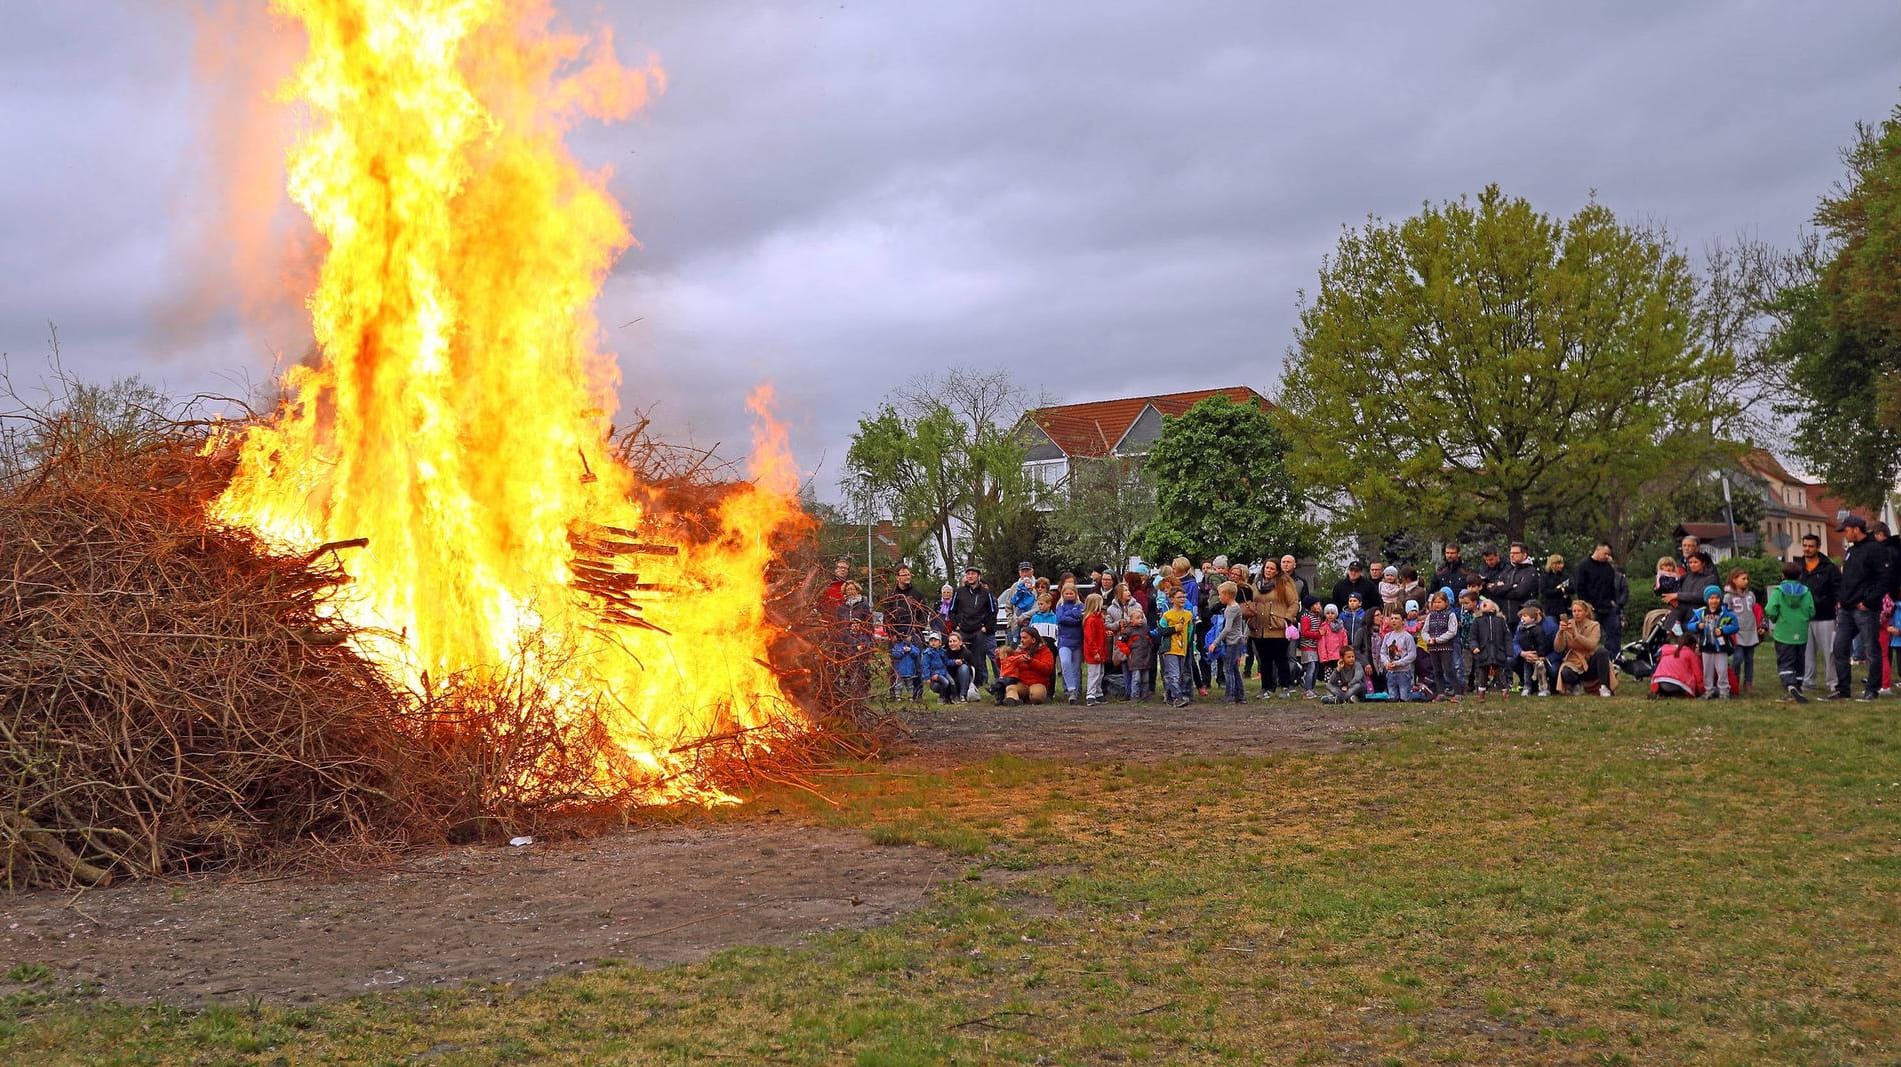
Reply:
x=1095 y=648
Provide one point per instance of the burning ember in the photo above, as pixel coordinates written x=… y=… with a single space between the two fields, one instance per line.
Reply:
x=458 y=418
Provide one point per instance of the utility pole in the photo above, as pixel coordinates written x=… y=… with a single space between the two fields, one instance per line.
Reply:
x=1729 y=512
x=870 y=600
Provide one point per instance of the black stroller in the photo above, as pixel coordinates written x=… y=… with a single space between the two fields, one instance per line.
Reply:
x=1639 y=658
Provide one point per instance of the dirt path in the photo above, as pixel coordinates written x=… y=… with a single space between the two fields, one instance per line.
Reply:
x=489 y=914
x=657 y=895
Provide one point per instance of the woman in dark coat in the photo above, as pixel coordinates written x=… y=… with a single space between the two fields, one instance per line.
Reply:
x=1554 y=588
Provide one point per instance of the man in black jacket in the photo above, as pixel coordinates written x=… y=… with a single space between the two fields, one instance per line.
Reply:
x=1452 y=573
x=1596 y=584
x=1891 y=582
x=1824 y=580
x=1515 y=583
x=974 y=616
x=1356 y=581
x=905 y=612
x=1864 y=583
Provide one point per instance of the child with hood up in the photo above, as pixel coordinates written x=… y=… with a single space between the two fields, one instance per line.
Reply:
x=1491 y=649
x=1535 y=650
x=1715 y=630
x=1791 y=608
x=1140 y=655
x=906 y=680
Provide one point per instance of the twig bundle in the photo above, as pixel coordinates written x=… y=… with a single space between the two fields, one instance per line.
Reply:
x=173 y=696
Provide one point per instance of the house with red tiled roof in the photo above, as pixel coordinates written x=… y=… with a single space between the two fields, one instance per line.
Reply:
x=1793 y=507
x=1059 y=435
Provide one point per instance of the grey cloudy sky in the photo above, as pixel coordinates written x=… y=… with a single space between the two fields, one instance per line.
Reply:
x=1111 y=197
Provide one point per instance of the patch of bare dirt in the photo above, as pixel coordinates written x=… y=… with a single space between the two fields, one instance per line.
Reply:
x=961 y=733
x=655 y=895
x=482 y=914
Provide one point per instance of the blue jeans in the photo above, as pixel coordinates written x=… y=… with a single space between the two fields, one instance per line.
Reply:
x=1174 y=670
x=982 y=655
x=1071 y=660
x=1231 y=675
x=1139 y=684
x=1399 y=684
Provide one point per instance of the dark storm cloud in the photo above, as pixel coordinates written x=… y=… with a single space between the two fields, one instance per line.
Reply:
x=1112 y=198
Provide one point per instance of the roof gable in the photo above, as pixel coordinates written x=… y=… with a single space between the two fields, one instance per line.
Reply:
x=1096 y=427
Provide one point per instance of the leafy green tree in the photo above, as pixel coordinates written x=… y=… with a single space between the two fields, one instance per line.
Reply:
x=938 y=457
x=1483 y=364
x=1841 y=335
x=1222 y=487
x=915 y=466
x=1099 y=511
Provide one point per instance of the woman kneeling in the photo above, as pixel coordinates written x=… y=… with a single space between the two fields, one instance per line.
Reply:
x=1026 y=672
x=1587 y=665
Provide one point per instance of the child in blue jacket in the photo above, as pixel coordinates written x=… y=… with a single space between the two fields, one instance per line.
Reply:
x=905 y=679
x=1715 y=630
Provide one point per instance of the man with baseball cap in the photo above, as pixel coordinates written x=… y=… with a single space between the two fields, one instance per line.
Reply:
x=1858 y=609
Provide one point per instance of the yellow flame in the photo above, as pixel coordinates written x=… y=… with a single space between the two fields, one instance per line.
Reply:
x=458 y=414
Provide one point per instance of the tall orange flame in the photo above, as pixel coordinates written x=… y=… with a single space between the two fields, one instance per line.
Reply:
x=458 y=415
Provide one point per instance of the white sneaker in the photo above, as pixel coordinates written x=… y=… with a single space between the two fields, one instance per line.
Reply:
x=1603 y=690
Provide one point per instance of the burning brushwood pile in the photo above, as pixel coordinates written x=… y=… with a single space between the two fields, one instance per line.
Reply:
x=177 y=695
x=432 y=595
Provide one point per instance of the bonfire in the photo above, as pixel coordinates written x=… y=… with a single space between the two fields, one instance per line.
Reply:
x=428 y=596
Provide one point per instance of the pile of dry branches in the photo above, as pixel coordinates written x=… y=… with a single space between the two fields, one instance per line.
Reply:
x=171 y=696
x=174 y=697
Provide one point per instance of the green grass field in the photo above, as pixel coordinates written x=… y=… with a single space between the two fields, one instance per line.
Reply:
x=1568 y=881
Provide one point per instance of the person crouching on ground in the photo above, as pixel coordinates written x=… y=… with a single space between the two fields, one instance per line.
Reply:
x=1715 y=630
x=1586 y=664
x=957 y=662
x=1534 y=635
x=1491 y=649
x=1679 y=670
x=1346 y=681
x=1398 y=653
x=1790 y=610
x=1177 y=637
x=947 y=678
x=1095 y=648
x=1027 y=671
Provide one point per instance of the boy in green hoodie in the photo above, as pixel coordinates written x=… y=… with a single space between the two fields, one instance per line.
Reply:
x=1790 y=608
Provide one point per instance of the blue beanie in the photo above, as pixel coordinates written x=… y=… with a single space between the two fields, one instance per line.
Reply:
x=1712 y=590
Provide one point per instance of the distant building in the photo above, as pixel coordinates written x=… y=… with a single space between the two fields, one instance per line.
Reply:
x=1793 y=508
x=1059 y=436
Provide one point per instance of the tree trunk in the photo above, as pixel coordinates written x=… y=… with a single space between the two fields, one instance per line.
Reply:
x=1515 y=515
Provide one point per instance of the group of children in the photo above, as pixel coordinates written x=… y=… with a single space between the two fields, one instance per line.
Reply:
x=1709 y=650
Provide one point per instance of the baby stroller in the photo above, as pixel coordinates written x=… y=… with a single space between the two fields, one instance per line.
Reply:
x=1639 y=658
